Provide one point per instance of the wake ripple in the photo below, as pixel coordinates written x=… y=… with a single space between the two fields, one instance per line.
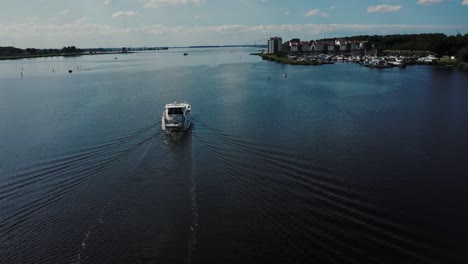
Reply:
x=27 y=194
x=278 y=178
x=194 y=226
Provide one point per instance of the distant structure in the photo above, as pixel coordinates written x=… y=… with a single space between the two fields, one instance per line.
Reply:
x=275 y=45
x=338 y=46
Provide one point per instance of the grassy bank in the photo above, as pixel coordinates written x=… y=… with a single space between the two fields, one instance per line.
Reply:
x=434 y=63
x=463 y=66
x=286 y=60
x=30 y=56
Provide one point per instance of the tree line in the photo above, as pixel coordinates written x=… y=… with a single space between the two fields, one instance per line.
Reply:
x=438 y=43
x=32 y=51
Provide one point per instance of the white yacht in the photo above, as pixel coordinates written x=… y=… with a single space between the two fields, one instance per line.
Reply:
x=176 y=117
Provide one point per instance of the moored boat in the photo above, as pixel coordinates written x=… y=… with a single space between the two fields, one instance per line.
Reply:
x=176 y=117
x=379 y=64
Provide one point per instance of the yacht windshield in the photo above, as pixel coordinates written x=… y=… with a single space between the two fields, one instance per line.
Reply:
x=175 y=111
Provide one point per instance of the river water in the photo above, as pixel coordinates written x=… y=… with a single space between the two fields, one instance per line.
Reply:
x=333 y=164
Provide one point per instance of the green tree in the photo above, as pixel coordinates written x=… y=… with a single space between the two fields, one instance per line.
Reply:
x=70 y=49
x=463 y=54
x=31 y=51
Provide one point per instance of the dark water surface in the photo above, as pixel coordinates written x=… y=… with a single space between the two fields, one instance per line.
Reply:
x=333 y=164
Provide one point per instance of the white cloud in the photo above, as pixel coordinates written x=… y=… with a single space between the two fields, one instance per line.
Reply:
x=313 y=12
x=33 y=19
x=430 y=2
x=108 y=2
x=465 y=2
x=82 y=20
x=160 y=3
x=64 y=12
x=316 y=12
x=125 y=14
x=383 y=8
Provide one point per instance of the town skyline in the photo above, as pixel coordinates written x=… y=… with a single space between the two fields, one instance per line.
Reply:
x=117 y=23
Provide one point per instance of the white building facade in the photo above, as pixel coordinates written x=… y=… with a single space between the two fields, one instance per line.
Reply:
x=275 y=45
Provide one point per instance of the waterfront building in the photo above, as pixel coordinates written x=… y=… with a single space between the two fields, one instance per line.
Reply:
x=313 y=46
x=300 y=46
x=346 y=47
x=293 y=47
x=305 y=46
x=274 y=45
x=320 y=46
x=331 y=47
x=343 y=45
x=336 y=46
x=355 y=46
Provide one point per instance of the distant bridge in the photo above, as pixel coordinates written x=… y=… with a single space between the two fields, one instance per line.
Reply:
x=261 y=43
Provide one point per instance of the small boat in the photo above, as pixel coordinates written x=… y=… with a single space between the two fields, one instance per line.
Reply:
x=395 y=62
x=176 y=117
x=379 y=64
x=185 y=54
x=285 y=75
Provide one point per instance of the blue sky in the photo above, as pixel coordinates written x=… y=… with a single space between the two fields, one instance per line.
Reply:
x=117 y=23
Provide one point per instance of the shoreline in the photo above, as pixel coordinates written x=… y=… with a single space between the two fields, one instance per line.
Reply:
x=459 y=65
x=286 y=60
x=31 y=56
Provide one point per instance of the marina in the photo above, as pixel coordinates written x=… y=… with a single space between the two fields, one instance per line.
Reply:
x=372 y=61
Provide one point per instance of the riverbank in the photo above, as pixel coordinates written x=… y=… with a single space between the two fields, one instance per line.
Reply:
x=454 y=64
x=462 y=66
x=440 y=63
x=287 y=60
x=32 y=56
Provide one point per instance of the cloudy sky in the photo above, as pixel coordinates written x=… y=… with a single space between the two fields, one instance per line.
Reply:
x=117 y=23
